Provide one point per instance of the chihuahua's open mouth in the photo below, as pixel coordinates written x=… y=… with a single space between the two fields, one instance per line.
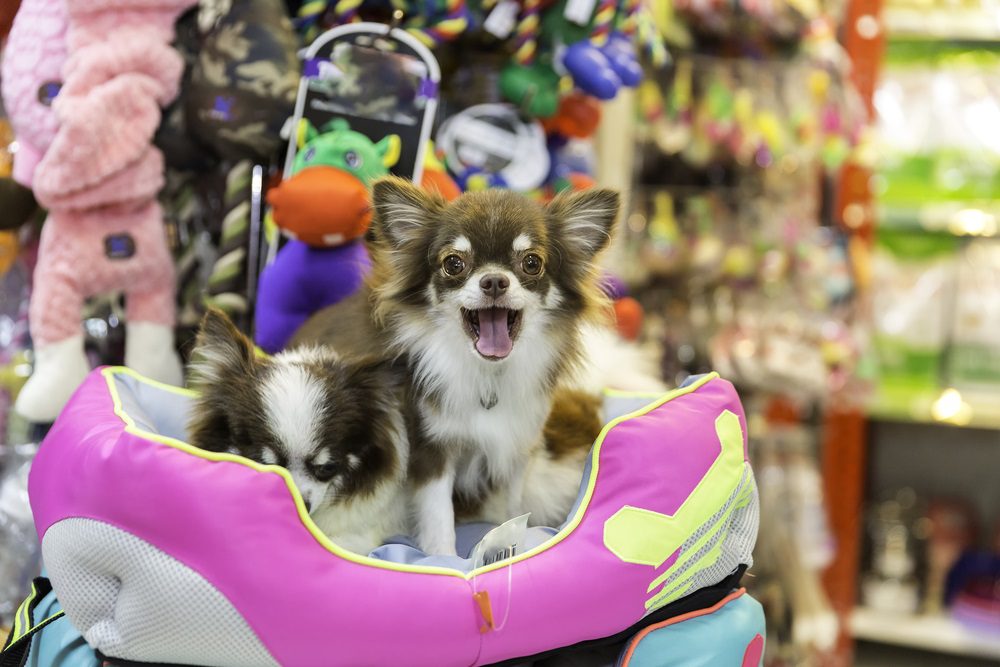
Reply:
x=492 y=330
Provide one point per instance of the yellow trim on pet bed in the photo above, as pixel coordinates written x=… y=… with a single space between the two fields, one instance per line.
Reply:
x=130 y=427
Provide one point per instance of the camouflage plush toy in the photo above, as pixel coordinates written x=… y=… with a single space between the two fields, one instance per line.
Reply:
x=238 y=90
x=323 y=206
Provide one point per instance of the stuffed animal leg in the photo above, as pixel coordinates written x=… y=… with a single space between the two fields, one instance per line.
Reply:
x=99 y=180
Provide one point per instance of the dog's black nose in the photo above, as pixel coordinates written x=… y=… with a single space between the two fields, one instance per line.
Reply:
x=308 y=505
x=494 y=284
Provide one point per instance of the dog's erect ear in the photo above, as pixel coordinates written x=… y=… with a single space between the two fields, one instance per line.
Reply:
x=220 y=349
x=585 y=219
x=403 y=212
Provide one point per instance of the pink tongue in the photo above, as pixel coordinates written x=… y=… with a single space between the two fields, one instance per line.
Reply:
x=494 y=341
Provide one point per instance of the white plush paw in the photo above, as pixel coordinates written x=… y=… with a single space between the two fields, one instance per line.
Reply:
x=149 y=350
x=59 y=370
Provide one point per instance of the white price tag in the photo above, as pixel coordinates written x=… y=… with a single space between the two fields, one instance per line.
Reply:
x=579 y=11
x=501 y=543
x=501 y=21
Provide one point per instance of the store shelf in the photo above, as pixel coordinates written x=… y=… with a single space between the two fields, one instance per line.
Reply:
x=973 y=410
x=968 y=24
x=932 y=633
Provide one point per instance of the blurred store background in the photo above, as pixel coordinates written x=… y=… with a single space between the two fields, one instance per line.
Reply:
x=813 y=210
x=817 y=220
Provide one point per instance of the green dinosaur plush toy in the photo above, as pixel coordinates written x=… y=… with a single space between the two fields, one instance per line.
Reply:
x=337 y=164
x=323 y=205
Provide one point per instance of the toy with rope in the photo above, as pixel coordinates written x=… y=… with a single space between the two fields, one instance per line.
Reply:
x=309 y=18
x=651 y=39
x=627 y=20
x=604 y=17
x=600 y=53
x=442 y=22
x=526 y=33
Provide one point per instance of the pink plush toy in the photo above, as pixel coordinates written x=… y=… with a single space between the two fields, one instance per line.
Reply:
x=32 y=75
x=99 y=179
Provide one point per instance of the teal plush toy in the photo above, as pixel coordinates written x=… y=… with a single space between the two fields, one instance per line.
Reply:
x=323 y=206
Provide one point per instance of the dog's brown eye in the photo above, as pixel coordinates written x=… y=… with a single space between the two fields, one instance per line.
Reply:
x=531 y=264
x=324 y=472
x=453 y=265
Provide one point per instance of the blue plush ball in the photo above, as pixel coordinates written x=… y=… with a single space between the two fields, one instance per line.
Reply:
x=591 y=70
x=620 y=52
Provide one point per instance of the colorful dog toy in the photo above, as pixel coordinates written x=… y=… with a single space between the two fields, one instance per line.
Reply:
x=435 y=177
x=598 y=50
x=432 y=22
x=323 y=206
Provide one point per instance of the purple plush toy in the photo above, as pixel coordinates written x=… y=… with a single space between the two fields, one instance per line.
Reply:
x=306 y=281
x=323 y=206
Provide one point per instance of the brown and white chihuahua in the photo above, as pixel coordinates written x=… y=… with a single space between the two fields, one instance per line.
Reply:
x=334 y=424
x=480 y=304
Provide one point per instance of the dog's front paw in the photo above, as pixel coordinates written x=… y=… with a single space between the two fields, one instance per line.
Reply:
x=439 y=547
x=436 y=537
x=435 y=516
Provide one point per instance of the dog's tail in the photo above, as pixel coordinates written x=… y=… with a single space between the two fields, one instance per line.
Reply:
x=552 y=486
x=610 y=362
x=554 y=472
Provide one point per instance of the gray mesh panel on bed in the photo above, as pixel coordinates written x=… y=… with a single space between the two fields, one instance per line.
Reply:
x=132 y=601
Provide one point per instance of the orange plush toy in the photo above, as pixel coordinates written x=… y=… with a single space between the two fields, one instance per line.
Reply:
x=628 y=312
x=435 y=177
x=578 y=117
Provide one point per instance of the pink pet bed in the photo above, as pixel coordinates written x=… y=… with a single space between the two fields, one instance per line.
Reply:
x=162 y=553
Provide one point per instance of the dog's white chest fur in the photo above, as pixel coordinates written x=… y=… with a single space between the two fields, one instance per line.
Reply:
x=493 y=441
x=492 y=413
